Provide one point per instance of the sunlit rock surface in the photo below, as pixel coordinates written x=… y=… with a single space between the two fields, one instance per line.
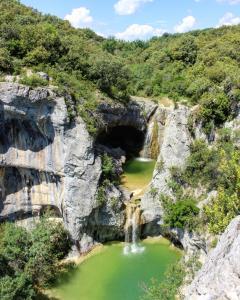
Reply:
x=219 y=278
x=174 y=140
x=44 y=159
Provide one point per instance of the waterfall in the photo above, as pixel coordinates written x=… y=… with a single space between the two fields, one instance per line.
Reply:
x=151 y=147
x=132 y=228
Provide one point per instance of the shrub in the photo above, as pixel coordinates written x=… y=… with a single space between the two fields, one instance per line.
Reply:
x=37 y=56
x=28 y=259
x=101 y=196
x=202 y=165
x=182 y=214
x=221 y=211
x=107 y=167
x=33 y=81
x=5 y=60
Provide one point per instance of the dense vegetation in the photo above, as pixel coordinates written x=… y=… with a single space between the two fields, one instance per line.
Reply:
x=207 y=169
x=28 y=260
x=200 y=67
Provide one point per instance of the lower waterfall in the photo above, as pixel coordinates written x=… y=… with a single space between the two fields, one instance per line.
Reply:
x=132 y=229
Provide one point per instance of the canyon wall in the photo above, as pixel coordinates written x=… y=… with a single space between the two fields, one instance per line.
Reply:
x=219 y=278
x=46 y=161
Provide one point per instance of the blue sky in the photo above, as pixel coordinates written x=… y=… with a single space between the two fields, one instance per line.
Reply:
x=133 y=19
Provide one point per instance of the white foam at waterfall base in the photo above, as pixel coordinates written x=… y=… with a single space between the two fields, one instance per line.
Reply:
x=144 y=159
x=133 y=248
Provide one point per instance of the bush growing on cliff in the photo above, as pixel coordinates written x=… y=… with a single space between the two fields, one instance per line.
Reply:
x=221 y=211
x=202 y=165
x=28 y=259
x=226 y=205
x=180 y=214
x=107 y=167
x=33 y=81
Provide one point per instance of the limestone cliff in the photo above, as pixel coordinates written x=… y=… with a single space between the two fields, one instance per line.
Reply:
x=219 y=278
x=45 y=160
x=174 y=142
x=48 y=161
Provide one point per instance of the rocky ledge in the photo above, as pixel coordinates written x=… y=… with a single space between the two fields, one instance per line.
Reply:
x=219 y=278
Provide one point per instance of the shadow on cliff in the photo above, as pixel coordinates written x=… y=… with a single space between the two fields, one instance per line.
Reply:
x=30 y=131
x=127 y=138
x=25 y=180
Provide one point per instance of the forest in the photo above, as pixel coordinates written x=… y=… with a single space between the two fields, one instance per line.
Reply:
x=198 y=67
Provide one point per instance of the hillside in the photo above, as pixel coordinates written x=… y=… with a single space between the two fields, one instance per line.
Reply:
x=123 y=147
x=200 y=67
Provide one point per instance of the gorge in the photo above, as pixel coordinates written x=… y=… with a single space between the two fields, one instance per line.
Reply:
x=119 y=161
x=49 y=162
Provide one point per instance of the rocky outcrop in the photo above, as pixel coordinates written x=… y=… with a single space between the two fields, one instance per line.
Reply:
x=219 y=278
x=174 y=141
x=134 y=114
x=47 y=161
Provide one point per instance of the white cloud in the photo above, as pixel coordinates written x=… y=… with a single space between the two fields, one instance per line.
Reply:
x=128 y=7
x=232 y=2
x=136 y=31
x=229 y=19
x=186 y=24
x=79 y=17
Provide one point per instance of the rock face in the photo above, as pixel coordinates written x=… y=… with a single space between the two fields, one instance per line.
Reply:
x=219 y=278
x=129 y=115
x=46 y=161
x=174 y=141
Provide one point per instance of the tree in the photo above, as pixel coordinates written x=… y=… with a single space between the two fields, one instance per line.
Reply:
x=28 y=259
x=181 y=214
x=112 y=77
x=14 y=246
x=5 y=60
x=216 y=108
x=50 y=243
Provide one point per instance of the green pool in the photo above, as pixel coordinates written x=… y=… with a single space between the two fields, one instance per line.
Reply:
x=138 y=173
x=111 y=275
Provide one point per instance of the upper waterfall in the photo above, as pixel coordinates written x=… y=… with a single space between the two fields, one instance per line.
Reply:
x=151 y=145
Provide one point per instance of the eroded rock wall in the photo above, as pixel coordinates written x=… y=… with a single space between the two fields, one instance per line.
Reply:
x=174 y=142
x=219 y=278
x=48 y=161
x=44 y=159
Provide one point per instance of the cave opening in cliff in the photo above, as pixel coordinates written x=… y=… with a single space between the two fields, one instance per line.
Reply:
x=127 y=138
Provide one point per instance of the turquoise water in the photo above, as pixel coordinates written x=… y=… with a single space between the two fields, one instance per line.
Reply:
x=137 y=173
x=111 y=275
